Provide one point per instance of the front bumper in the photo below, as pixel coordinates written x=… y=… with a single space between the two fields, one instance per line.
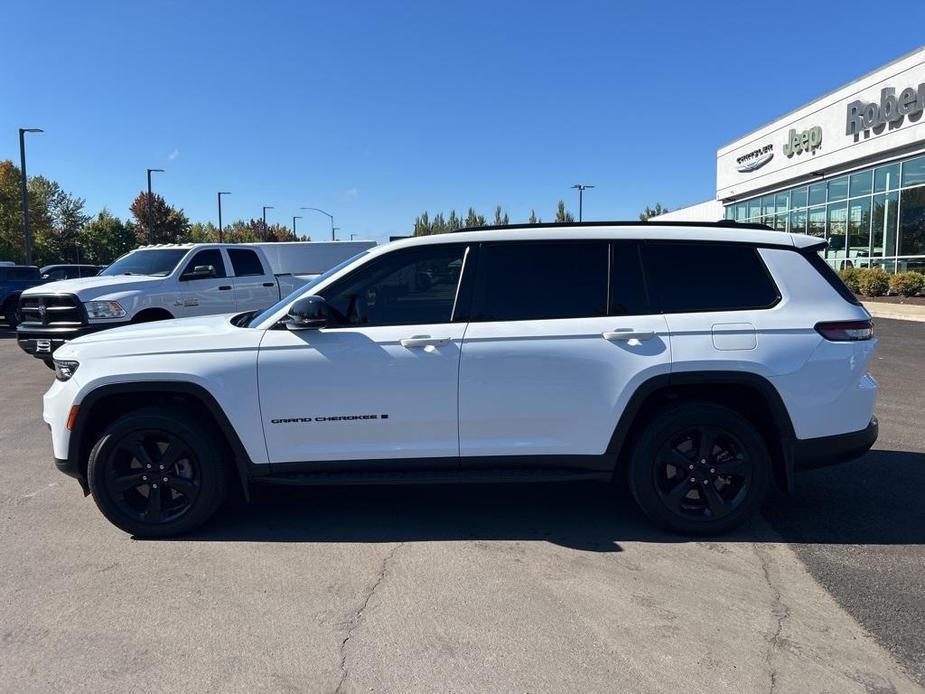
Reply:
x=809 y=454
x=41 y=342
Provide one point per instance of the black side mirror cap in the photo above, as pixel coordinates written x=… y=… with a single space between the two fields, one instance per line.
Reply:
x=308 y=313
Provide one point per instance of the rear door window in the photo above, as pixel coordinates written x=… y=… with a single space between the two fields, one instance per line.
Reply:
x=537 y=280
x=628 y=296
x=694 y=277
x=245 y=262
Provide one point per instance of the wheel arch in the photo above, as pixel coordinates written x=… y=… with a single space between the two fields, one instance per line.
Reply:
x=151 y=314
x=749 y=394
x=119 y=398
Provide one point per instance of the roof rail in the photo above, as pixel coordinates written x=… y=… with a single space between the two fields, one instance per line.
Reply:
x=730 y=223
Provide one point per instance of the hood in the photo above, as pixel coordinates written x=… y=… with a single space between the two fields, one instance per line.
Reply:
x=88 y=288
x=162 y=338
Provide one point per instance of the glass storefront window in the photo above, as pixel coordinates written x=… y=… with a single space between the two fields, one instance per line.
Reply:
x=817 y=193
x=860 y=183
x=859 y=231
x=797 y=198
x=914 y=172
x=754 y=208
x=837 y=221
x=838 y=188
x=886 y=178
x=912 y=221
x=741 y=212
x=767 y=205
x=883 y=233
x=782 y=202
x=780 y=222
x=816 y=221
x=798 y=222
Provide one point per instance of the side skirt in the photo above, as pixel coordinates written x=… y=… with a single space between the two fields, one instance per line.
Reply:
x=432 y=476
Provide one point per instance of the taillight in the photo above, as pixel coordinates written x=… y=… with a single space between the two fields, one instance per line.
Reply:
x=846 y=331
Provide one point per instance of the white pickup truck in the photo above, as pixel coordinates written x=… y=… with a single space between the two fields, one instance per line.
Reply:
x=173 y=281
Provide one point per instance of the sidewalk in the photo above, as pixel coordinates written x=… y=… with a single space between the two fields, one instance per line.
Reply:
x=911 y=312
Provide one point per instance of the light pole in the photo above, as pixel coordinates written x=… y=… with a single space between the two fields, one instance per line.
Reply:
x=293 y=226
x=221 y=234
x=330 y=216
x=151 y=228
x=27 y=233
x=265 y=208
x=581 y=191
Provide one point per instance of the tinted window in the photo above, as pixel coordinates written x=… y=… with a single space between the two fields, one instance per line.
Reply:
x=402 y=288
x=245 y=262
x=689 y=277
x=211 y=256
x=537 y=280
x=55 y=275
x=22 y=274
x=627 y=286
x=157 y=262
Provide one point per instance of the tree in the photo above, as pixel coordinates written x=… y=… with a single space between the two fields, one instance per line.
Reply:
x=422 y=225
x=104 y=238
x=650 y=212
x=170 y=224
x=500 y=219
x=474 y=220
x=453 y=222
x=533 y=218
x=58 y=224
x=562 y=214
x=202 y=233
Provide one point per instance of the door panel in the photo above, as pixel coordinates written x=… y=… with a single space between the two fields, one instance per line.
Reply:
x=254 y=287
x=200 y=297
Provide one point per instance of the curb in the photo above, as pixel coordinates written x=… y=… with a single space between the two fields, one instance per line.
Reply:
x=896 y=311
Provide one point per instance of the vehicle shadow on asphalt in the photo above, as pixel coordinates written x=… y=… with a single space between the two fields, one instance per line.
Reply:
x=874 y=500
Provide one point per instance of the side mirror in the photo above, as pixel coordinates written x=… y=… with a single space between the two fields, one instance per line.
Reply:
x=200 y=272
x=308 y=313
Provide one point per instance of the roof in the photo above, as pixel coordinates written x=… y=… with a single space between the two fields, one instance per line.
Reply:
x=669 y=231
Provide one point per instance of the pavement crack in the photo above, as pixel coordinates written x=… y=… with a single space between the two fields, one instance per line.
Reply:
x=781 y=613
x=357 y=616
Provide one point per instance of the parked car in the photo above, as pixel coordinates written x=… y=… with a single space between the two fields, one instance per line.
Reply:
x=53 y=273
x=171 y=281
x=698 y=364
x=14 y=279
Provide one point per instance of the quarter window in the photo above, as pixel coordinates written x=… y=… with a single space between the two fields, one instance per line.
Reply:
x=412 y=287
x=693 y=277
x=541 y=280
x=245 y=262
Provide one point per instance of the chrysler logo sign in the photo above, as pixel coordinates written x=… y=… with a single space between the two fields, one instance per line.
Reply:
x=755 y=159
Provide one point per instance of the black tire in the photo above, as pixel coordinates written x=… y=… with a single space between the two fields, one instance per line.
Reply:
x=12 y=313
x=142 y=441
x=699 y=469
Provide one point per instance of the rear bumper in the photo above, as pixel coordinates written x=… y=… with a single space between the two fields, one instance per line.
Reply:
x=831 y=450
x=41 y=342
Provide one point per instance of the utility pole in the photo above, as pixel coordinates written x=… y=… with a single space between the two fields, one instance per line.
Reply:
x=581 y=190
x=27 y=233
x=293 y=226
x=221 y=229
x=150 y=224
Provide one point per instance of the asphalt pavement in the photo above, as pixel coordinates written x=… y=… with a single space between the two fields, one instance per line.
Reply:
x=534 y=588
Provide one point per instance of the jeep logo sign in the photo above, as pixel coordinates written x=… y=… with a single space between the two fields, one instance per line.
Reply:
x=891 y=109
x=807 y=141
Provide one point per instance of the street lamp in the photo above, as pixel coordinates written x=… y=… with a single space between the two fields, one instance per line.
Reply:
x=293 y=226
x=315 y=209
x=27 y=234
x=221 y=235
x=581 y=190
x=265 y=208
x=150 y=227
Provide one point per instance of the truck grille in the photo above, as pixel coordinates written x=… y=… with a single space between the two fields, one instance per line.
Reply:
x=51 y=310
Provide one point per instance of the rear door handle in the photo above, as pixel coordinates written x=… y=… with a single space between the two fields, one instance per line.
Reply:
x=224 y=288
x=424 y=341
x=627 y=334
x=268 y=284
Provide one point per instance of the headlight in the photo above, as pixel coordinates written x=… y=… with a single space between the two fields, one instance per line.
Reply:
x=65 y=369
x=104 y=309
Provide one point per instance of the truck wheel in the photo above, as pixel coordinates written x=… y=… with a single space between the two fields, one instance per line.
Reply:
x=156 y=473
x=12 y=313
x=699 y=469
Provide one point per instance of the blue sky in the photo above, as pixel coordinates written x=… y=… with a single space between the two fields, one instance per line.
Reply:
x=376 y=111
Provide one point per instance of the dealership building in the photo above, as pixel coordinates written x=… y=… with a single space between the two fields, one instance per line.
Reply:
x=848 y=167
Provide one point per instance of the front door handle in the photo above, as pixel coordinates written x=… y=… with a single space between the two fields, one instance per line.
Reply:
x=627 y=334
x=224 y=288
x=424 y=341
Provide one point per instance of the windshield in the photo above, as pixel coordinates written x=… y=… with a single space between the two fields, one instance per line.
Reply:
x=156 y=262
x=304 y=289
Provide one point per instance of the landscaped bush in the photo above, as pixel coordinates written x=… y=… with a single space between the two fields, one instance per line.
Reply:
x=907 y=283
x=851 y=276
x=874 y=281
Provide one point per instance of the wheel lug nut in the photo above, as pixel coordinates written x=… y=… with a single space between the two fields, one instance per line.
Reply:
x=693 y=479
x=165 y=479
x=154 y=485
x=148 y=466
x=705 y=482
x=144 y=477
x=703 y=461
x=162 y=467
x=691 y=467
x=712 y=469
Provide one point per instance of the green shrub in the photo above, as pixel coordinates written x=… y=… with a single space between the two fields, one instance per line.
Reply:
x=874 y=281
x=851 y=276
x=907 y=283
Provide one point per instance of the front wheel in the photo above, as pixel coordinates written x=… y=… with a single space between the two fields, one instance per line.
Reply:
x=156 y=473
x=12 y=313
x=699 y=469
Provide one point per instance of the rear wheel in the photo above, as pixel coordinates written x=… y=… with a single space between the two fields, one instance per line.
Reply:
x=699 y=469
x=155 y=473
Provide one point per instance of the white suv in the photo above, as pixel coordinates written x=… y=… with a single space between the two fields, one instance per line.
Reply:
x=697 y=363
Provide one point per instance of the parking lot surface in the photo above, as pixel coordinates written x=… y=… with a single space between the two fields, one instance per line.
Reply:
x=544 y=588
